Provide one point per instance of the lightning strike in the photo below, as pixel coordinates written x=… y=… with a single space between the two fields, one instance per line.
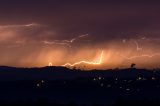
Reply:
x=137 y=45
x=55 y=43
x=15 y=26
x=86 y=62
x=65 y=42
x=144 y=55
x=29 y=25
x=73 y=39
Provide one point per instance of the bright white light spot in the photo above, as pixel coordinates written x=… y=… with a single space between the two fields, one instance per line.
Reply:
x=38 y=85
x=99 y=78
x=127 y=89
x=42 y=81
x=50 y=64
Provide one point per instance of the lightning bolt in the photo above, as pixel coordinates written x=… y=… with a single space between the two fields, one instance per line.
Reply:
x=144 y=55
x=29 y=25
x=140 y=56
x=138 y=48
x=65 y=42
x=86 y=62
x=15 y=26
x=136 y=43
x=74 y=39
x=56 y=43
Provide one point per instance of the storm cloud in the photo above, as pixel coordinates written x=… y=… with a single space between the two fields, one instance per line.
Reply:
x=33 y=33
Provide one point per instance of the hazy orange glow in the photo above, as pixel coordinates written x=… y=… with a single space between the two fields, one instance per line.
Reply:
x=81 y=51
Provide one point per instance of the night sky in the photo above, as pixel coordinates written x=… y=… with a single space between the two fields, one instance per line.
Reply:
x=36 y=32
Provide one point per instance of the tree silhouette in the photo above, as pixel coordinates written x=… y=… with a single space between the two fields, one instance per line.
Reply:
x=133 y=65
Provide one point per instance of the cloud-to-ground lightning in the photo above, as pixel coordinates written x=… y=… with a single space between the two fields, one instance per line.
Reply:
x=86 y=62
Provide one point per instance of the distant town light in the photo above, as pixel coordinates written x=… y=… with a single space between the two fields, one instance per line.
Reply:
x=127 y=89
x=99 y=78
x=153 y=78
x=139 y=78
x=38 y=85
x=42 y=81
x=102 y=85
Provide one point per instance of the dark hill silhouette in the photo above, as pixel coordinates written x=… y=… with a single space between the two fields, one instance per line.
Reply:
x=61 y=85
x=52 y=73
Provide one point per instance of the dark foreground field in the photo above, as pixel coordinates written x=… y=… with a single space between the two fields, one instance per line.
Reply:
x=62 y=86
